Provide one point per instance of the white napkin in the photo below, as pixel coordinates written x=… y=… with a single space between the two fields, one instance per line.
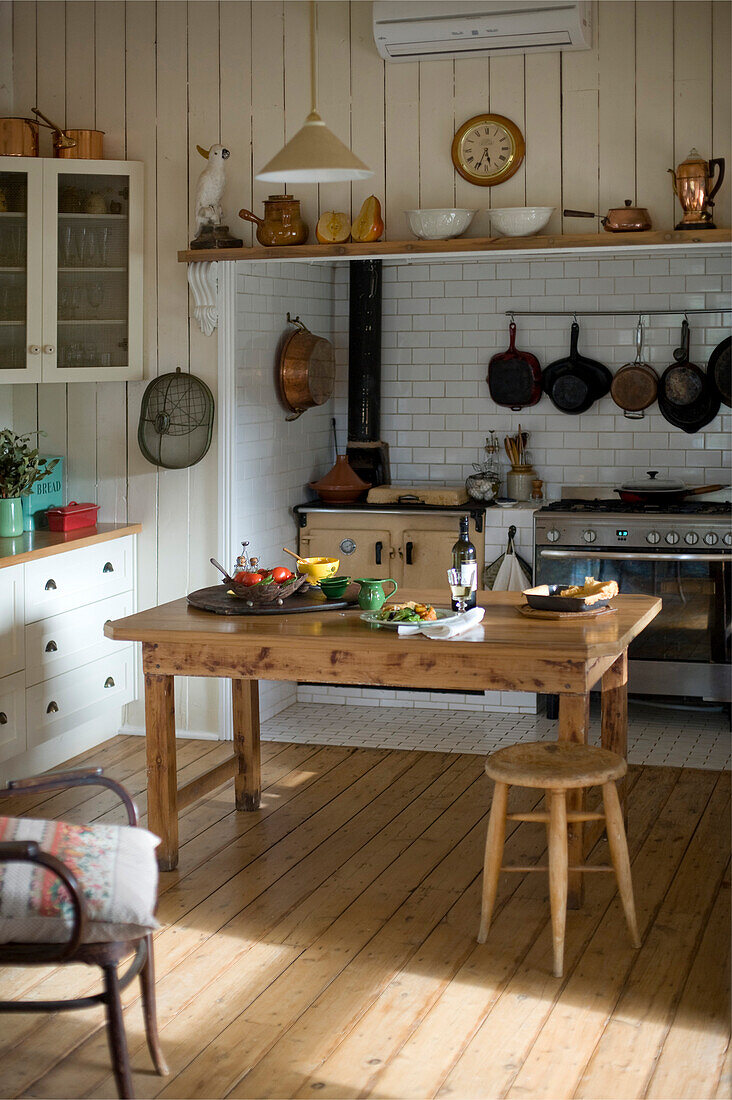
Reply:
x=444 y=631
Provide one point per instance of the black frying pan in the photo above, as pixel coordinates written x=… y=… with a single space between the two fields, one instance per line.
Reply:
x=575 y=382
x=686 y=397
x=719 y=370
x=514 y=377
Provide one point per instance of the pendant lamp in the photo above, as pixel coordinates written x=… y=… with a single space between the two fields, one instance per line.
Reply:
x=314 y=154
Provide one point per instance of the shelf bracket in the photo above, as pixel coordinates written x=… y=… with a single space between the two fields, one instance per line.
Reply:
x=203 y=281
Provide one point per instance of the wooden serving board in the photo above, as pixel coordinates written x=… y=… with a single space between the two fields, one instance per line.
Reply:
x=557 y=616
x=218 y=600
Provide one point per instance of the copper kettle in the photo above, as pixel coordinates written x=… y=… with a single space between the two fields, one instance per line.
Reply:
x=620 y=219
x=695 y=189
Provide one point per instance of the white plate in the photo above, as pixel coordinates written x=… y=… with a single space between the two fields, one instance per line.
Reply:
x=444 y=615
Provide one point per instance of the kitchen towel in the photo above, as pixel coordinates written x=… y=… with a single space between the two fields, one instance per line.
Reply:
x=460 y=625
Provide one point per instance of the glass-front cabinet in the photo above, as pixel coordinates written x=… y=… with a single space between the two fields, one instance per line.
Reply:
x=70 y=270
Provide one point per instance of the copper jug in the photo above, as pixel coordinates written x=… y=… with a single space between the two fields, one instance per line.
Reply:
x=694 y=188
x=281 y=223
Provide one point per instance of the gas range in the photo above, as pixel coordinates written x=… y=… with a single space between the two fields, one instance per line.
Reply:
x=691 y=525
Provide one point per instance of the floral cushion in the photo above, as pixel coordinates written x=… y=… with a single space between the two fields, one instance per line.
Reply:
x=116 y=869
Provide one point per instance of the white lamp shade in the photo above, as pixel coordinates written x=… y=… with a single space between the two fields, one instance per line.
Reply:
x=314 y=155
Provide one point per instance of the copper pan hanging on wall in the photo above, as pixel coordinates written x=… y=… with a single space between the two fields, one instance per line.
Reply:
x=307 y=369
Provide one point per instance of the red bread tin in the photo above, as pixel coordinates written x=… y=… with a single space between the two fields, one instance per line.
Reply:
x=72 y=516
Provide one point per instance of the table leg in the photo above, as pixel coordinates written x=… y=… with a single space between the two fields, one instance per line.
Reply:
x=574 y=724
x=162 y=778
x=248 y=775
x=615 y=717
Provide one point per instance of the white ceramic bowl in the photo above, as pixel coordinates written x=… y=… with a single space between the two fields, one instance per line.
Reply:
x=520 y=221
x=439 y=224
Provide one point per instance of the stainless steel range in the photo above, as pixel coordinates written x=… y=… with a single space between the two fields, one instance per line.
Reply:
x=682 y=553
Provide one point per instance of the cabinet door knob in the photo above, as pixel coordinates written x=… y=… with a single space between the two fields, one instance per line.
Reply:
x=52 y=707
x=3 y=718
x=50 y=584
x=48 y=349
x=34 y=349
x=108 y=567
x=109 y=682
x=51 y=646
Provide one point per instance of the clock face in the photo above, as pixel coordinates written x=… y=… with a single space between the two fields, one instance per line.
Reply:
x=488 y=149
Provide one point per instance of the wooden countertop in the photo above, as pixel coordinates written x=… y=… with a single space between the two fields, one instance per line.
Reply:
x=505 y=630
x=44 y=544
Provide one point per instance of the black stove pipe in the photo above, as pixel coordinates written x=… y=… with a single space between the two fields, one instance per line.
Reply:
x=364 y=352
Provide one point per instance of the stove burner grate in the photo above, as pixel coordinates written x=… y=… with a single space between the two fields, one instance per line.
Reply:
x=683 y=508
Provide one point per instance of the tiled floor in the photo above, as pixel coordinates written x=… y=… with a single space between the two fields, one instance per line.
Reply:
x=656 y=735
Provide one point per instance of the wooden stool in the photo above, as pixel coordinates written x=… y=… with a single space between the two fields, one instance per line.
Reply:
x=556 y=767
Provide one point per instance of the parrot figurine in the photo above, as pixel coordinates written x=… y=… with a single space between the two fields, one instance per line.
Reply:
x=210 y=232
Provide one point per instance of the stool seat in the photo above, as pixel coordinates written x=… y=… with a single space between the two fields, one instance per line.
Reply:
x=556 y=765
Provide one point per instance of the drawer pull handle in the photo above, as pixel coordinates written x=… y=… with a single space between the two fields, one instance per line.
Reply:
x=108 y=567
x=410 y=553
x=52 y=707
x=378 y=547
x=3 y=718
x=51 y=647
x=50 y=584
x=109 y=682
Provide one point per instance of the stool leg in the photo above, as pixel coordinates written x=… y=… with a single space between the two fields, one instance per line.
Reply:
x=619 y=854
x=493 y=856
x=558 y=873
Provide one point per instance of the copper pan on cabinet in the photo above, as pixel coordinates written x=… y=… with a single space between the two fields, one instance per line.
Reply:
x=18 y=137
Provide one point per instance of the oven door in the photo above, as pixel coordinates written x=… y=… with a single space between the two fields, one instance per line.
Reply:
x=687 y=646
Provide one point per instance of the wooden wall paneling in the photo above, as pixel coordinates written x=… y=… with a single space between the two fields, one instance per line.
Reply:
x=436 y=131
x=235 y=36
x=110 y=79
x=507 y=98
x=6 y=58
x=616 y=115
x=471 y=97
x=297 y=96
x=51 y=69
x=654 y=109
x=368 y=107
x=81 y=448
x=543 y=135
x=24 y=57
x=334 y=89
x=580 y=163
x=24 y=403
x=268 y=97
x=692 y=78
x=402 y=147
x=197 y=525
x=721 y=106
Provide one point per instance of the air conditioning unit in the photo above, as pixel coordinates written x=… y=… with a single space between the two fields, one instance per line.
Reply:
x=412 y=30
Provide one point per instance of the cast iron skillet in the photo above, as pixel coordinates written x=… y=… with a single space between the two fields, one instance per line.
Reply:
x=686 y=397
x=514 y=377
x=719 y=369
x=575 y=383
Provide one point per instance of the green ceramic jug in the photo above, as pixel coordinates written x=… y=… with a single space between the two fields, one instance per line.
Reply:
x=372 y=597
x=11 y=517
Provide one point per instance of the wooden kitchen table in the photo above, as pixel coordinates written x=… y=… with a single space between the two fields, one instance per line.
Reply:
x=335 y=647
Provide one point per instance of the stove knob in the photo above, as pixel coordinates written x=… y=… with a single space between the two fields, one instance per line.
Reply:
x=589 y=536
x=728 y=539
x=711 y=539
x=691 y=539
x=653 y=537
x=672 y=538
x=552 y=534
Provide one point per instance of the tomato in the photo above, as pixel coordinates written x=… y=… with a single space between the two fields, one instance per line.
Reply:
x=281 y=574
x=248 y=579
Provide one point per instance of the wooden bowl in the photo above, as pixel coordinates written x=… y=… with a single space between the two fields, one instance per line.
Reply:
x=265 y=593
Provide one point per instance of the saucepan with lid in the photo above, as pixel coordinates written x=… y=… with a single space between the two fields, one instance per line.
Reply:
x=619 y=219
x=655 y=490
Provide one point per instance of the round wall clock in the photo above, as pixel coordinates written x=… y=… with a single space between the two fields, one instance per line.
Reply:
x=488 y=149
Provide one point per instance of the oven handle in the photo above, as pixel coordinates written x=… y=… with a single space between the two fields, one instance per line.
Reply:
x=612 y=556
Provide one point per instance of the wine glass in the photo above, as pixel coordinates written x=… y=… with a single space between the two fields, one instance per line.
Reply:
x=460 y=589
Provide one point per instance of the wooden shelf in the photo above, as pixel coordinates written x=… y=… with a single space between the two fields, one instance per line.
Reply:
x=459 y=246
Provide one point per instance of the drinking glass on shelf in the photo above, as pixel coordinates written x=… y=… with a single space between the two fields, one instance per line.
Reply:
x=67 y=256
x=460 y=588
x=81 y=245
x=95 y=296
x=12 y=246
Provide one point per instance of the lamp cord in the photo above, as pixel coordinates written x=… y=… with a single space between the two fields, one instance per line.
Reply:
x=313 y=58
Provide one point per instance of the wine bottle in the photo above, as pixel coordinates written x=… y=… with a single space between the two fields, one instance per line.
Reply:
x=464 y=559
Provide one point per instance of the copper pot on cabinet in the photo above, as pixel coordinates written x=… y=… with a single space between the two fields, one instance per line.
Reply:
x=619 y=219
x=72 y=144
x=281 y=224
x=18 y=137
x=695 y=189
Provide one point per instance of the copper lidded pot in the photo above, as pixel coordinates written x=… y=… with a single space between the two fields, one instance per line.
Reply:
x=620 y=219
x=281 y=223
x=695 y=189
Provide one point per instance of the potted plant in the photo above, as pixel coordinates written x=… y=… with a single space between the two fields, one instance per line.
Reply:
x=20 y=468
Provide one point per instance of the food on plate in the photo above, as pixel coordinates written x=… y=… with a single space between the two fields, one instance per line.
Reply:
x=369 y=225
x=409 y=612
x=591 y=591
x=334 y=227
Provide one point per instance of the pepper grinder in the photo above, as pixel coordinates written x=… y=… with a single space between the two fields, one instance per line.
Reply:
x=537 y=490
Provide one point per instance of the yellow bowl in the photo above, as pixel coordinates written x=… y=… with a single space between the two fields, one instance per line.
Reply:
x=317 y=568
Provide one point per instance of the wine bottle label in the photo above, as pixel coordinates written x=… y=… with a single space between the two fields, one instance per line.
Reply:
x=469 y=574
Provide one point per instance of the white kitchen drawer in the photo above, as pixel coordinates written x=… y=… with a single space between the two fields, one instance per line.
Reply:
x=12 y=715
x=12 y=644
x=64 y=581
x=64 y=702
x=64 y=642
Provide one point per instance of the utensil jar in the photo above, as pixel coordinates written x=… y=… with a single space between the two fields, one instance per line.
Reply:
x=519 y=482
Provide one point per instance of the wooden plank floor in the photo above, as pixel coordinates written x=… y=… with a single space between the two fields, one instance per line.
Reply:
x=326 y=944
